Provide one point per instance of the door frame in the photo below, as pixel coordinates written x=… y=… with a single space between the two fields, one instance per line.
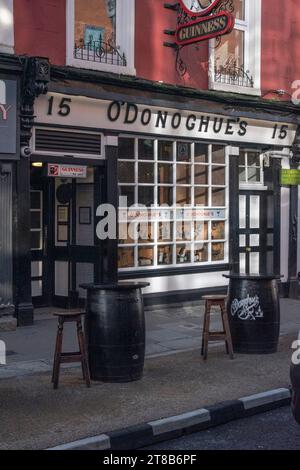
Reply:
x=50 y=252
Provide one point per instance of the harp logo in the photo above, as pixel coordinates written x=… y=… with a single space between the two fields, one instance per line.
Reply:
x=2 y=353
x=198 y=7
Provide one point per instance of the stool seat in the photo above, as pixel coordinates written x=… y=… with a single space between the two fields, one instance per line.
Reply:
x=216 y=301
x=214 y=297
x=68 y=357
x=69 y=313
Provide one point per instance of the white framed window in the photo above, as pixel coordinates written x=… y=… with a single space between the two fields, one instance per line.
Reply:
x=7 y=26
x=235 y=64
x=251 y=170
x=100 y=35
x=186 y=186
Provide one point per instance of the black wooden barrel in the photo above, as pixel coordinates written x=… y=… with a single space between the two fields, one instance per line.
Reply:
x=115 y=331
x=254 y=313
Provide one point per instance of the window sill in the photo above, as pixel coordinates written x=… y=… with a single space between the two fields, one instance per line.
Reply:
x=234 y=89
x=253 y=187
x=84 y=64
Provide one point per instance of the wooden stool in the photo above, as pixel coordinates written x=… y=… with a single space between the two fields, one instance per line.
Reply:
x=211 y=301
x=68 y=357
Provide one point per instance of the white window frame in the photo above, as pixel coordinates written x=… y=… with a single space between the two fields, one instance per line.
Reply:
x=7 y=26
x=252 y=29
x=125 y=28
x=156 y=244
x=258 y=185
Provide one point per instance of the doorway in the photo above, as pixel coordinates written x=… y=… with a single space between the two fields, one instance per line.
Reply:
x=65 y=251
x=256 y=232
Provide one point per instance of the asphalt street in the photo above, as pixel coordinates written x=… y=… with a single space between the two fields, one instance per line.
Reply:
x=275 y=430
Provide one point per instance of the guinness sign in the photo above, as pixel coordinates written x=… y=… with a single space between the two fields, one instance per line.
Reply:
x=205 y=28
x=198 y=7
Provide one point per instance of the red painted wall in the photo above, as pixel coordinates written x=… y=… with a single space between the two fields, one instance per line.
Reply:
x=40 y=29
x=280 y=45
x=156 y=62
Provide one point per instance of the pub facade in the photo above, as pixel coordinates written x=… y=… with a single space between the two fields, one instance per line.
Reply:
x=185 y=142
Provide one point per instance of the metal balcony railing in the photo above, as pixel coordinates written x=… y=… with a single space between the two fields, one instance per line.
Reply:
x=101 y=52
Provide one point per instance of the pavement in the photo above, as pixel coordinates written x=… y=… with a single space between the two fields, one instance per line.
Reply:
x=176 y=379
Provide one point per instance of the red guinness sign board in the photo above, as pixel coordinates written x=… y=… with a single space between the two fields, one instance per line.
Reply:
x=205 y=28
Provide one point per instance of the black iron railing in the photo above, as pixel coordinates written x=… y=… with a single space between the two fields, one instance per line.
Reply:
x=231 y=74
x=100 y=51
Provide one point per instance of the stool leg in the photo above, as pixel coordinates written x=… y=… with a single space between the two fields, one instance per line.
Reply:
x=206 y=330
x=227 y=332
x=203 y=331
x=58 y=348
x=82 y=348
x=224 y=328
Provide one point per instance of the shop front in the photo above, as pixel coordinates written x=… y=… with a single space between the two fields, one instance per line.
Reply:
x=196 y=186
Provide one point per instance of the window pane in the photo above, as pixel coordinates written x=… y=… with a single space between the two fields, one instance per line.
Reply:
x=165 y=196
x=165 y=173
x=95 y=21
x=201 y=197
x=165 y=255
x=242 y=158
x=239 y=9
x=126 y=257
x=183 y=152
x=253 y=159
x=126 y=172
x=201 y=174
x=35 y=200
x=201 y=231
x=146 y=149
x=218 y=175
x=218 y=154
x=183 y=231
x=183 y=196
x=165 y=150
x=126 y=234
x=35 y=219
x=230 y=53
x=217 y=250
x=254 y=175
x=127 y=191
x=218 y=197
x=183 y=254
x=201 y=153
x=183 y=174
x=146 y=173
x=218 y=230
x=36 y=240
x=165 y=231
x=242 y=174
x=201 y=253
x=146 y=256
x=126 y=148
x=146 y=196
x=145 y=232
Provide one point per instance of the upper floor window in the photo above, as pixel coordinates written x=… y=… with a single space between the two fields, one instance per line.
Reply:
x=6 y=26
x=101 y=35
x=235 y=58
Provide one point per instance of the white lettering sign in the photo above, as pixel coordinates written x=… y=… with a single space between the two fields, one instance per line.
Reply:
x=247 y=309
x=130 y=117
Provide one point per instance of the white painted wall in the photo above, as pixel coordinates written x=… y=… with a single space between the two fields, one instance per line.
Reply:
x=285 y=210
x=183 y=282
x=6 y=26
